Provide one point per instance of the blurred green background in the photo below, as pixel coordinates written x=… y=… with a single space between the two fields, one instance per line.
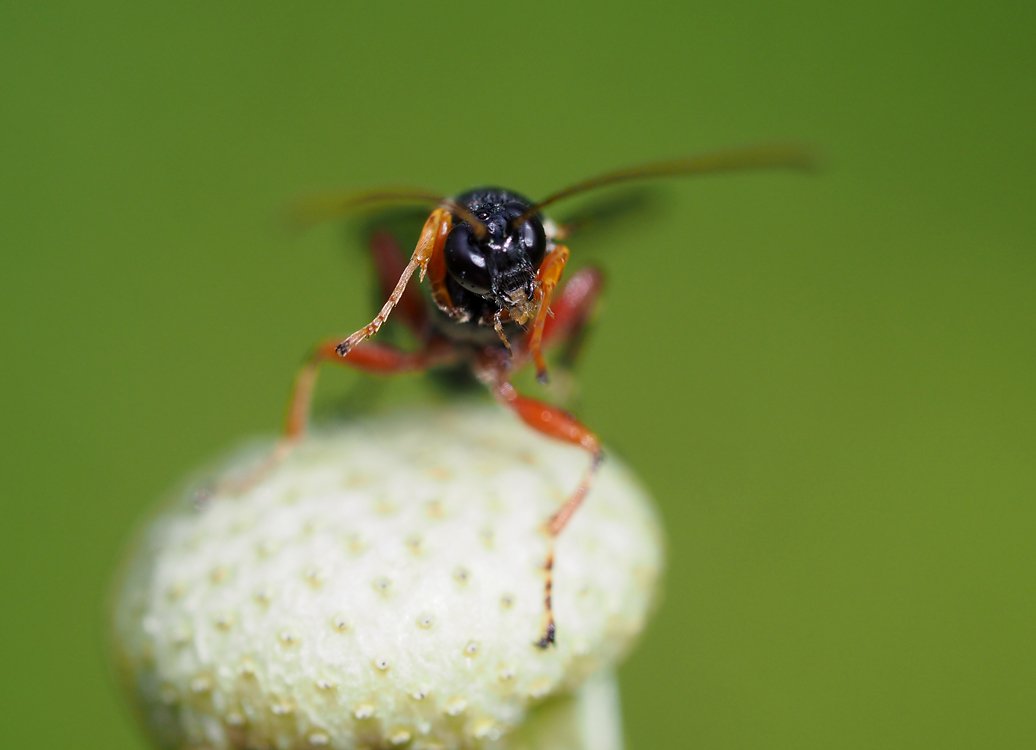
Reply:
x=826 y=381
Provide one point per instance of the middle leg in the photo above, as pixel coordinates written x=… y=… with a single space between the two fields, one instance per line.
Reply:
x=367 y=357
x=379 y=359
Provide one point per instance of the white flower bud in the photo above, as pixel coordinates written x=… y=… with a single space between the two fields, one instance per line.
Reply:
x=384 y=587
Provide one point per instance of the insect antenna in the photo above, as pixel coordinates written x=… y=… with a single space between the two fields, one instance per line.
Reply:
x=759 y=157
x=320 y=208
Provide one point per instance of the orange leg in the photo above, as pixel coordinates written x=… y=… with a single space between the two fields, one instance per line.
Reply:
x=429 y=245
x=560 y=425
x=389 y=265
x=373 y=358
x=571 y=311
x=547 y=277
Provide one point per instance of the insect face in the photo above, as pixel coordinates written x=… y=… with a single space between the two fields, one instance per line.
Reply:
x=500 y=263
x=495 y=266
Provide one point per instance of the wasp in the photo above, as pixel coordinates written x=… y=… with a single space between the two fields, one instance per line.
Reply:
x=494 y=264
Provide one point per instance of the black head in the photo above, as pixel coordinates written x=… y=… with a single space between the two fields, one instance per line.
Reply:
x=500 y=266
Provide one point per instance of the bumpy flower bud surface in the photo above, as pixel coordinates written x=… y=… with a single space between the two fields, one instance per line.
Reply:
x=383 y=587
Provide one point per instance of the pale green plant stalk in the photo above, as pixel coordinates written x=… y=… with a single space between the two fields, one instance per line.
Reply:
x=383 y=587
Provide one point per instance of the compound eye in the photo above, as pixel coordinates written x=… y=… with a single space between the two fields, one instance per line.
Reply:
x=534 y=241
x=466 y=261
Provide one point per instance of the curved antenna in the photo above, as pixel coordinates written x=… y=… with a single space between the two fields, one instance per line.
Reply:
x=330 y=206
x=759 y=157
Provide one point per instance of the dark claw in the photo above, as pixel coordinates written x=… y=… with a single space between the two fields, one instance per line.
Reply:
x=342 y=349
x=542 y=377
x=548 y=638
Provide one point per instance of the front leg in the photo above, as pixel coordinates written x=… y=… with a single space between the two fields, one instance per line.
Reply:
x=429 y=245
x=547 y=279
x=389 y=264
x=571 y=311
